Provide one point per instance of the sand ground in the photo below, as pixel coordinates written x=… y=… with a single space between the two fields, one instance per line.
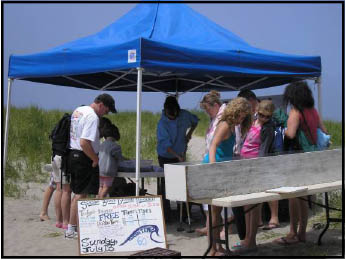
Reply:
x=25 y=235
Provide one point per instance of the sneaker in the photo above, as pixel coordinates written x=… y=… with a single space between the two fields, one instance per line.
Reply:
x=71 y=235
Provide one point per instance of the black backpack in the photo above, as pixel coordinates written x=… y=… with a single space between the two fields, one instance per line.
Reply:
x=60 y=136
x=280 y=121
x=278 y=142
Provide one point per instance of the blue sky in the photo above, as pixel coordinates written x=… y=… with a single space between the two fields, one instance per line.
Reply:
x=303 y=29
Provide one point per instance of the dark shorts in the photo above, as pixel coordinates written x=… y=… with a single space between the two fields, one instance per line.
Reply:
x=163 y=160
x=84 y=178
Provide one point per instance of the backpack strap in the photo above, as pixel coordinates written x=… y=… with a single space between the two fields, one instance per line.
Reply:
x=311 y=139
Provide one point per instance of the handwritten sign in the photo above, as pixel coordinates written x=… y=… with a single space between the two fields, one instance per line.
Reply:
x=120 y=224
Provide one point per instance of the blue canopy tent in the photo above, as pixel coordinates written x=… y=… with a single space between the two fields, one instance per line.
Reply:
x=160 y=47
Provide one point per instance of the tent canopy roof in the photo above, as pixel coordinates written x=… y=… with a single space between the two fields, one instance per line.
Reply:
x=178 y=48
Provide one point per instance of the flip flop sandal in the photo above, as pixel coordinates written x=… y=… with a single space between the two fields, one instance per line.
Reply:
x=237 y=246
x=286 y=241
x=271 y=226
x=244 y=250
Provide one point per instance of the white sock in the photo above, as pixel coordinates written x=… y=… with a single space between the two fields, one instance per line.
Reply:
x=71 y=228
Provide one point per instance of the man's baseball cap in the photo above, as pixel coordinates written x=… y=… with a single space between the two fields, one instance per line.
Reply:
x=107 y=100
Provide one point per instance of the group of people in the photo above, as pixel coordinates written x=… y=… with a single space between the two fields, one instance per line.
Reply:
x=242 y=129
x=91 y=165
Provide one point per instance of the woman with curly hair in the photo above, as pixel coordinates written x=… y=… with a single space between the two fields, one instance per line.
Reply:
x=212 y=105
x=302 y=116
x=238 y=111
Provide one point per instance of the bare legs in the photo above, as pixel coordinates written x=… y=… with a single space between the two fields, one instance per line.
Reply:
x=216 y=249
x=251 y=221
x=46 y=199
x=274 y=215
x=222 y=234
x=62 y=201
x=74 y=209
x=204 y=231
x=57 y=204
x=66 y=203
x=274 y=212
x=103 y=191
x=298 y=216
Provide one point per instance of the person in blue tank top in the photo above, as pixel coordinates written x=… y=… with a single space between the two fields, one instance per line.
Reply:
x=238 y=111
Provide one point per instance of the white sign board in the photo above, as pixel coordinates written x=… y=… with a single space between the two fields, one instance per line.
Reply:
x=120 y=224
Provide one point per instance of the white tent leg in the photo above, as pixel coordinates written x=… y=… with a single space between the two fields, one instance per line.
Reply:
x=319 y=96
x=138 y=127
x=7 y=123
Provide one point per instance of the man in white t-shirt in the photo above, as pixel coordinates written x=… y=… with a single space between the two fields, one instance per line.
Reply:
x=83 y=156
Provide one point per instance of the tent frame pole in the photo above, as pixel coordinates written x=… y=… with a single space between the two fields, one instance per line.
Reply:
x=138 y=127
x=10 y=81
x=319 y=96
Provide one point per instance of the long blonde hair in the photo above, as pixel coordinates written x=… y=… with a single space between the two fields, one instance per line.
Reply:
x=232 y=112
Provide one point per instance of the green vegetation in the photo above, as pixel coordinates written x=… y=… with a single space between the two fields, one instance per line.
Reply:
x=335 y=130
x=29 y=147
x=203 y=122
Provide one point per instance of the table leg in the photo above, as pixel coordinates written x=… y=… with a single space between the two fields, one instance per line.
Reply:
x=158 y=186
x=226 y=229
x=188 y=216
x=327 y=217
x=180 y=228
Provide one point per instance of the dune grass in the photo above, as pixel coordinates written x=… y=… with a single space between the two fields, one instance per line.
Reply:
x=29 y=147
x=335 y=130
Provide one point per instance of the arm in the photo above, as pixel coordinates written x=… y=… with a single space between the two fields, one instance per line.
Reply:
x=89 y=151
x=116 y=152
x=321 y=125
x=189 y=133
x=163 y=140
x=170 y=150
x=221 y=133
x=292 y=123
x=194 y=122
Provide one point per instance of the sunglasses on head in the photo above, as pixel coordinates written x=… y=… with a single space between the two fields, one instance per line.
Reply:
x=264 y=116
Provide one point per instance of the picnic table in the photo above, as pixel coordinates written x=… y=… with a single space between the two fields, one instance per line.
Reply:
x=252 y=181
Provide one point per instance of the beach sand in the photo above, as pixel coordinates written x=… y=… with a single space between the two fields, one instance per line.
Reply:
x=25 y=235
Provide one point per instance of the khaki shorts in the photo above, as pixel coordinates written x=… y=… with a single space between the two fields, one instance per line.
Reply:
x=56 y=164
x=51 y=181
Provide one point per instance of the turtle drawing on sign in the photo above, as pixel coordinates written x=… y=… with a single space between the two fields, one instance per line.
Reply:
x=141 y=230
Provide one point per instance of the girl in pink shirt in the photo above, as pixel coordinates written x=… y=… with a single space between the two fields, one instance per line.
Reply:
x=252 y=142
x=258 y=140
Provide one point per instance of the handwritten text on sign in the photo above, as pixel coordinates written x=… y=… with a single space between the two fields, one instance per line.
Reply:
x=124 y=224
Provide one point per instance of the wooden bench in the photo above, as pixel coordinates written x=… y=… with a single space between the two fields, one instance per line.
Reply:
x=244 y=182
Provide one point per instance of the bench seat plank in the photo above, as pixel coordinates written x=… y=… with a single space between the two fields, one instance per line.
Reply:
x=259 y=197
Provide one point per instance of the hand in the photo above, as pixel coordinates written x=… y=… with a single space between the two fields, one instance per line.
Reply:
x=181 y=159
x=95 y=163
